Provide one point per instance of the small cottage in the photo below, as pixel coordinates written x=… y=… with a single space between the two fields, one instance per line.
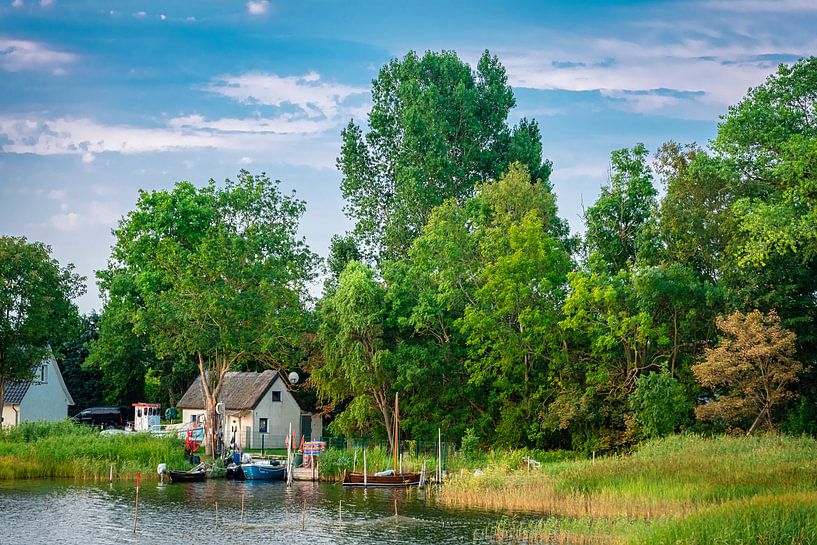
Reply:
x=45 y=398
x=258 y=407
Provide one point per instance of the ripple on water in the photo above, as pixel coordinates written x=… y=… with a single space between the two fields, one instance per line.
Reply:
x=64 y=512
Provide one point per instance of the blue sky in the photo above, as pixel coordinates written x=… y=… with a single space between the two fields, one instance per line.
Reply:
x=100 y=99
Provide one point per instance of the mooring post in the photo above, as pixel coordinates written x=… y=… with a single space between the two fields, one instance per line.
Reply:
x=365 y=474
x=136 y=512
x=110 y=477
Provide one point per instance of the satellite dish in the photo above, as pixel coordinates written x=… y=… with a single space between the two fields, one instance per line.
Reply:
x=293 y=377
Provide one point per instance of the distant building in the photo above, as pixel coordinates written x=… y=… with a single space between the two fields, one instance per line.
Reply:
x=258 y=407
x=45 y=398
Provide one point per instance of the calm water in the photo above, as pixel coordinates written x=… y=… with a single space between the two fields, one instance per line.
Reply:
x=66 y=512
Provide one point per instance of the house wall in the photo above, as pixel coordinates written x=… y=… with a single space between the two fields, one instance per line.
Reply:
x=45 y=401
x=278 y=414
x=9 y=416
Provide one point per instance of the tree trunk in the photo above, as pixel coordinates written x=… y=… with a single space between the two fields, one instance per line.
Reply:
x=209 y=409
x=385 y=409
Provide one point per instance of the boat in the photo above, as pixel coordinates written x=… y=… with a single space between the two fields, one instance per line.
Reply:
x=393 y=480
x=390 y=478
x=264 y=470
x=192 y=475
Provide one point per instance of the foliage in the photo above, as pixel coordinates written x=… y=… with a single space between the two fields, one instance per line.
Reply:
x=357 y=360
x=219 y=276
x=436 y=129
x=618 y=220
x=658 y=403
x=36 y=311
x=469 y=442
x=755 y=366
x=83 y=383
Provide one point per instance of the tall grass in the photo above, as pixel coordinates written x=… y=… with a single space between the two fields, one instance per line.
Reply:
x=67 y=450
x=682 y=490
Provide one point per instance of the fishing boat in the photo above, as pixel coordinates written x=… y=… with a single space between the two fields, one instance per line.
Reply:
x=192 y=475
x=390 y=478
x=264 y=470
x=393 y=480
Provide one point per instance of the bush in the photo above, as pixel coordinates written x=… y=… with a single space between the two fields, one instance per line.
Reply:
x=658 y=403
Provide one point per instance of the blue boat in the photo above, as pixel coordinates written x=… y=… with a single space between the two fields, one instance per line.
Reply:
x=264 y=470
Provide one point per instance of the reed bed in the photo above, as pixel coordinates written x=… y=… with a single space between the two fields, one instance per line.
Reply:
x=685 y=489
x=67 y=450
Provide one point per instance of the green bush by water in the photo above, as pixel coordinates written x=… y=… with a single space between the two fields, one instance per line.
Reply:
x=68 y=450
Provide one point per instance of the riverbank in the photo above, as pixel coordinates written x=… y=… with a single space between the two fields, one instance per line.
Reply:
x=682 y=489
x=71 y=451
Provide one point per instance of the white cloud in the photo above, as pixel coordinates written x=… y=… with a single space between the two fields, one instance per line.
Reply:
x=245 y=161
x=92 y=214
x=308 y=92
x=257 y=7
x=162 y=16
x=87 y=138
x=46 y=3
x=283 y=124
x=140 y=14
x=57 y=194
x=743 y=6
x=18 y=55
x=17 y=4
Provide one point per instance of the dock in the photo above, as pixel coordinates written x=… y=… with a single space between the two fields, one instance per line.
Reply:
x=305 y=474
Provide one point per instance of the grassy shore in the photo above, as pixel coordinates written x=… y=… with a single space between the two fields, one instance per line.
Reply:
x=67 y=450
x=683 y=489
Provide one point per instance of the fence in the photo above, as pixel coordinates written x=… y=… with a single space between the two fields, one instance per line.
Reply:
x=414 y=448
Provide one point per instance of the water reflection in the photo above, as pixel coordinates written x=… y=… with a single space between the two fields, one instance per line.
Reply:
x=211 y=513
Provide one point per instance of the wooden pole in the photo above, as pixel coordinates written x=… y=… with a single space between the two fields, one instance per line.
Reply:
x=395 y=434
x=110 y=477
x=365 y=470
x=136 y=513
x=439 y=456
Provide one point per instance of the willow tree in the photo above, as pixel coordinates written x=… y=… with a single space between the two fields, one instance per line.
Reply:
x=357 y=357
x=219 y=276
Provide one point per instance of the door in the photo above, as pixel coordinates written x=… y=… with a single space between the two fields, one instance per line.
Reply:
x=306 y=426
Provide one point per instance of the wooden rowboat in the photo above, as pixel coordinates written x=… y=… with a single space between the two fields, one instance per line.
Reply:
x=187 y=476
x=351 y=478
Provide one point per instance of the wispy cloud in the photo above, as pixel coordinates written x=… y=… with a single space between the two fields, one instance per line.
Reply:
x=257 y=7
x=18 y=55
x=91 y=214
x=86 y=138
x=309 y=93
x=691 y=67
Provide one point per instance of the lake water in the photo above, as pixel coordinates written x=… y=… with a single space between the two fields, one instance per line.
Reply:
x=66 y=512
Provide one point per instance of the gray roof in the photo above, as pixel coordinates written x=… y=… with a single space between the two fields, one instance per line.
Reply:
x=15 y=392
x=240 y=391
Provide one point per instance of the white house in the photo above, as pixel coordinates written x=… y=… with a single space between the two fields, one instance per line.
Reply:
x=259 y=407
x=44 y=398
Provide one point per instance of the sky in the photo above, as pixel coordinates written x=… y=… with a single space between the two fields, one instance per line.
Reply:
x=101 y=99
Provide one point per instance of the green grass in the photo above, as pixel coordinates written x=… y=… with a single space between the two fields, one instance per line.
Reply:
x=67 y=450
x=681 y=490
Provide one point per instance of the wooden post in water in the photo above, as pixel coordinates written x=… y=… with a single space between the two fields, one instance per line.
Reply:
x=136 y=513
x=110 y=477
x=439 y=473
x=365 y=472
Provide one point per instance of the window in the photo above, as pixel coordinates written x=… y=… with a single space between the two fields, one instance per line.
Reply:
x=276 y=395
x=44 y=374
x=262 y=424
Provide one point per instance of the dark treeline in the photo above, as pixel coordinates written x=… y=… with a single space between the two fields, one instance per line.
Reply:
x=461 y=288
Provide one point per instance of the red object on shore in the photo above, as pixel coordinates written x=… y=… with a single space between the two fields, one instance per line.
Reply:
x=301 y=448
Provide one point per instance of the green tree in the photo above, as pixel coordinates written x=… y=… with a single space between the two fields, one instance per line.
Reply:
x=36 y=310
x=436 y=129
x=84 y=384
x=658 y=403
x=220 y=276
x=357 y=358
x=618 y=220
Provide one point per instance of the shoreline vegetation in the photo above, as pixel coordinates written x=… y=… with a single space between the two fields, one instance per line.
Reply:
x=71 y=451
x=683 y=489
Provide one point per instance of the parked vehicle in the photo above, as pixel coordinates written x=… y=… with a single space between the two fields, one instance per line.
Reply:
x=103 y=416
